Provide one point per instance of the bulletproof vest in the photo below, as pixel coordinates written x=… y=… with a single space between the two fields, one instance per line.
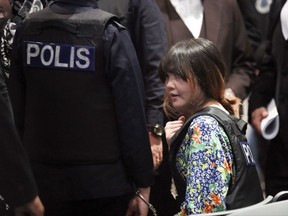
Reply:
x=244 y=189
x=69 y=108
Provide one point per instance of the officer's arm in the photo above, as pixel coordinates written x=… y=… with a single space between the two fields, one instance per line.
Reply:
x=151 y=43
x=126 y=81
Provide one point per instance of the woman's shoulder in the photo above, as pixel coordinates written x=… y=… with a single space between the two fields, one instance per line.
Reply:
x=206 y=125
x=204 y=121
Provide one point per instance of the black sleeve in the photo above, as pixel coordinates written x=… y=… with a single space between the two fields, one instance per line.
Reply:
x=147 y=30
x=16 y=82
x=256 y=23
x=243 y=70
x=17 y=184
x=250 y=18
x=264 y=89
x=127 y=87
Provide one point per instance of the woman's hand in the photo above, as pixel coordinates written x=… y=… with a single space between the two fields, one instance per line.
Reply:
x=173 y=126
x=257 y=116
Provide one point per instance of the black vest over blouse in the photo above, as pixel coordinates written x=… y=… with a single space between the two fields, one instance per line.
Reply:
x=244 y=189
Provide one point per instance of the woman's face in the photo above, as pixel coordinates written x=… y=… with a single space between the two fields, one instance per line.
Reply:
x=181 y=93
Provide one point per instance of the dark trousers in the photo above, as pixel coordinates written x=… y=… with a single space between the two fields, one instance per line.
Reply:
x=112 y=206
x=276 y=172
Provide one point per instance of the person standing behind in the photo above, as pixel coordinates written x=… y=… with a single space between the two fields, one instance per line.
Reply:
x=221 y=22
x=214 y=176
x=256 y=18
x=17 y=185
x=255 y=15
x=144 y=22
x=78 y=99
x=272 y=83
x=20 y=9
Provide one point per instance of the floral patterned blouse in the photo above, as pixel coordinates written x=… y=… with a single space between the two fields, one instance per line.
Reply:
x=204 y=160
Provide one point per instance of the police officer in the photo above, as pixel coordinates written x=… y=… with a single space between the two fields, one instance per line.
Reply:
x=146 y=27
x=78 y=99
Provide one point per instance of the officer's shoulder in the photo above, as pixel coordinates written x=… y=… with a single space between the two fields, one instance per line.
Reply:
x=113 y=28
x=114 y=21
x=110 y=18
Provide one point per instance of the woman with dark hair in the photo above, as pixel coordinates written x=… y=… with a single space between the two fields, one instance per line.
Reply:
x=197 y=62
x=193 y=72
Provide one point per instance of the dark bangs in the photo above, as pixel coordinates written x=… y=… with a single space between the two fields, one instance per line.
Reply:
x=175 y=62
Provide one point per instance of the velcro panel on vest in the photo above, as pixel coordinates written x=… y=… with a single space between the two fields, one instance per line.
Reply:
x=70 y=116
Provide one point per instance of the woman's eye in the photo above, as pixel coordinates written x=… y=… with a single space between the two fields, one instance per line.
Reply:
x=177 y=77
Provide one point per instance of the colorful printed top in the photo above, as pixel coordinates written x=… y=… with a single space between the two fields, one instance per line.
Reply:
x=204 y=160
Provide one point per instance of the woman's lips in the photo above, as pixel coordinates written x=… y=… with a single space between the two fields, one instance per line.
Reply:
x=173 y=96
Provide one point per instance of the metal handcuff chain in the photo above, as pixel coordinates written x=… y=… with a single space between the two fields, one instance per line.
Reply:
x=150 y=206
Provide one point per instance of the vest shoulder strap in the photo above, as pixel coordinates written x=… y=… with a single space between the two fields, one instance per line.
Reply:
x=120 y=8
x=239 y=127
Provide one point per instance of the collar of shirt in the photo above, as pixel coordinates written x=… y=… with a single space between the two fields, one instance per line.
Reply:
x=284 y=22
x=191 y=12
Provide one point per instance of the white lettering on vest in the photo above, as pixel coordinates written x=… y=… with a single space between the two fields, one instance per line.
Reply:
x=33 y=50
x=57 y=58
x=83 y=58
x=247 y=153
x=74 y=57
x=50 y=53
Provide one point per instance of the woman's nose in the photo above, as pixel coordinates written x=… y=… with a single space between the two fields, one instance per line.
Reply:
x=169 y=83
